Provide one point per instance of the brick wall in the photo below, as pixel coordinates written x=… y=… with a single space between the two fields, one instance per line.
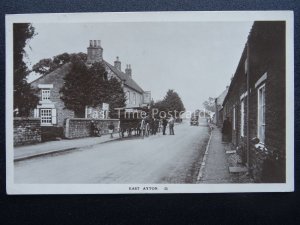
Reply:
x=27 y=131
x=80 y=127
x=233 y=99
x=266 y=45
x=267 y=49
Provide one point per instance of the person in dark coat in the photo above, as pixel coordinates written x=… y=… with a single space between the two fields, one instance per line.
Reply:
x=94 y=130
x=151 y=125
x=111 y=128
x=164 y=124
x=156 y=125
x=226 y=130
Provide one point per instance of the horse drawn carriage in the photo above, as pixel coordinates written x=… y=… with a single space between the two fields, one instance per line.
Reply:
x=131 y=120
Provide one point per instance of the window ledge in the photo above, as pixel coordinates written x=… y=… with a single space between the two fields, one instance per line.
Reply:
x=46 y=125
x=261 y=146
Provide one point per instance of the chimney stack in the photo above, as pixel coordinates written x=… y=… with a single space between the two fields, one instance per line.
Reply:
x=94 y=52
x=128 y=70
x=118 y=63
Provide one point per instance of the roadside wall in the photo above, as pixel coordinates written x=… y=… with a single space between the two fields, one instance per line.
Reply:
x=27 y=131
x=81 y=127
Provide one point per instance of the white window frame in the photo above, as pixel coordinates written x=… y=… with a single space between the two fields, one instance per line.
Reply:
x=261 y=113
x=134 y=98
x=45 y=94
x=128 y=101
x=234 y=118
x=46 y=116
x=242 y=116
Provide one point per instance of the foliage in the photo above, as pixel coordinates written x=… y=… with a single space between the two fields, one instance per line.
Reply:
x=25 y=97
x=89 y=86
x=98 y=84
x=76 y=91
x=171 y=103
x=116 y=96
x=45 y=66
x=209 y=104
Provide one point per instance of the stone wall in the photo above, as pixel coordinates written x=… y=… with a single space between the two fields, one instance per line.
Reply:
x=57 y=79
x=27 y=131
x=80 y=127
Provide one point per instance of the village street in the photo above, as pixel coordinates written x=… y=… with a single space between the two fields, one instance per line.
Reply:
x=154 y=159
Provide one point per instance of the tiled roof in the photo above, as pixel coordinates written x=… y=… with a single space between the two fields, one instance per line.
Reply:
x=58 y=73
x=128 y=81
x=221 y=97
x=61 y=71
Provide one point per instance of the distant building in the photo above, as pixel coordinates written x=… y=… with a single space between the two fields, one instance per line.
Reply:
x=51 y=108
x=257 y=113
x=219 y=116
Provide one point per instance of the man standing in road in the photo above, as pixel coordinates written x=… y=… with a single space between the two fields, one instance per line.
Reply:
x=171 y=125
x=164 y=124
x=111 y=128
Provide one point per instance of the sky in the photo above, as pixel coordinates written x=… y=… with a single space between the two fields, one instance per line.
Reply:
x=196 y=59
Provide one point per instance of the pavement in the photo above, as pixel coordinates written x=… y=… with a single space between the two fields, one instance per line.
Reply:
x=221 y=162
x=51 y=147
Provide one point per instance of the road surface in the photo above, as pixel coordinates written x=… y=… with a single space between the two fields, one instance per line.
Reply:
x=155 y=159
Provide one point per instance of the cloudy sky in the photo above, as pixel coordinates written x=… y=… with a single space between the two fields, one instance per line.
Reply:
x=196 y=59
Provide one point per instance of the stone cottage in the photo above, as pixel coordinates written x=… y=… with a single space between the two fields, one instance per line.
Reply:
x=51 y=109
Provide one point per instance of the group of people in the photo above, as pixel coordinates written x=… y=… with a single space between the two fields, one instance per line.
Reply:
x=147 y=126
x=152 y=126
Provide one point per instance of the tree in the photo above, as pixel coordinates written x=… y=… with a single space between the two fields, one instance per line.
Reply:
x=45 y=66
x=76 y=90
x=98 y=84
x=171 y=103
x=25 y=97
x=209 y=104
x=84 y=86
x=116 y=96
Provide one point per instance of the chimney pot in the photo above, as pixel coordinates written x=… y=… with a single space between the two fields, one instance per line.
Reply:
x=118 y=63
x=94 y=52
x=128 y=70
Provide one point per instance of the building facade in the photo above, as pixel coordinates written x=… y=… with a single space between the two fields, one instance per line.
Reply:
x=219 y=115
x=255 y=102
x=51 y=108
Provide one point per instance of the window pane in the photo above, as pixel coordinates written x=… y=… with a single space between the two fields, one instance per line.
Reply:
x=46 y=116
x=261 y=114
x=45 y=94
x=242 y=117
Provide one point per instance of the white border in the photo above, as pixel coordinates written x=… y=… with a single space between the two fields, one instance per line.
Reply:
x=204 y=16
